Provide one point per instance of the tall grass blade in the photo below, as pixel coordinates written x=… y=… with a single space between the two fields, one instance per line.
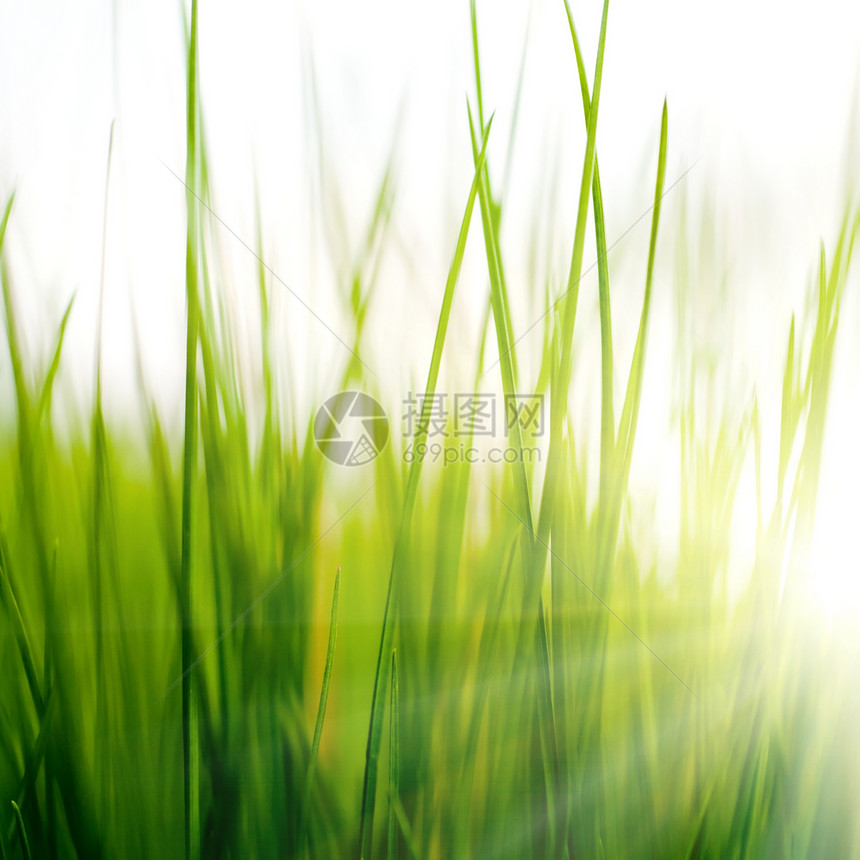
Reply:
x=19 y=630
x=374 y=736
x=44 y=407
x=190 y=737
x=321 y=709
x=632 y=399
x=393 y=760
x=22 y=832
x=568 y=301
x=494 y=206
x=607 y=413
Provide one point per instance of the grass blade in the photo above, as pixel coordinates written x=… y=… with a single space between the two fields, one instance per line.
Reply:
x=20 y=631
x=393 y=760
x=569 y=299
x=190 y=731
x=318 y=727
x=22 y=832
x=607 y=418
x=630 y=412
x=374 y=734
x=44 y=407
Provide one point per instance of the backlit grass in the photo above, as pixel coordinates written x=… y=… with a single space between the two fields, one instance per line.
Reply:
x=219 y=644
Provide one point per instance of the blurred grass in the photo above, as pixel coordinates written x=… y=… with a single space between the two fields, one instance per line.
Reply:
x=171 y=682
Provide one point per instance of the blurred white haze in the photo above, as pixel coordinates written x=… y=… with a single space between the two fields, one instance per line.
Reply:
x=762 y=99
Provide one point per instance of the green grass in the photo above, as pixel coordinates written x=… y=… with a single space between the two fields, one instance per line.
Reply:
x=213 y=644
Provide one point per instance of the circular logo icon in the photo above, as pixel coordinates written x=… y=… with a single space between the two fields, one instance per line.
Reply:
x=351 y=428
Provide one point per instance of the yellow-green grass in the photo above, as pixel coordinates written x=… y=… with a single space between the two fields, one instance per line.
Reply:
x=214 y=646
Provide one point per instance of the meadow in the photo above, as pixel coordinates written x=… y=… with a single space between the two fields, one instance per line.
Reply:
x=219 y=643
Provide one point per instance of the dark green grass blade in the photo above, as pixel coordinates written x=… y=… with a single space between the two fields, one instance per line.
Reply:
x=50 y=645
x=36 y=755
x=16 y=621
x=22 y=832
x=405 y=829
